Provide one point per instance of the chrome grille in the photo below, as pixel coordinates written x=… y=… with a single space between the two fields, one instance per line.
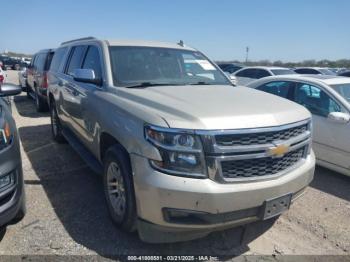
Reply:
x=259 y=138
x=258 y=167
x=249 y=154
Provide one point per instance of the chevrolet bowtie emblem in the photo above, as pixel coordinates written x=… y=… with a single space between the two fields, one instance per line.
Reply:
x=278 y=151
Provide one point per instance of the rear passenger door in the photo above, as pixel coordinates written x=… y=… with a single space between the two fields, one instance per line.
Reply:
x=71 y=92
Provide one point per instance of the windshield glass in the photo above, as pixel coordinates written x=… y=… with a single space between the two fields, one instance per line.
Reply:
x=343 y=90
x=132 y=66
x=282 y=72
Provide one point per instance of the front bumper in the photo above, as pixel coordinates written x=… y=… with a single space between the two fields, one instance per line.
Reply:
x=222 y=205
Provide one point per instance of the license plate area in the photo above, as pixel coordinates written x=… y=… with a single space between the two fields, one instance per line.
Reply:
x=276 y=206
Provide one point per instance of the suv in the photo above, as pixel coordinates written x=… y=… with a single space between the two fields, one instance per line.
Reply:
x=182 y=152
x=37 y=78
x=12 y=200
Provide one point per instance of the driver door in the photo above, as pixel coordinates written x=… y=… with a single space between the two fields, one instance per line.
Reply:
x=331 y=141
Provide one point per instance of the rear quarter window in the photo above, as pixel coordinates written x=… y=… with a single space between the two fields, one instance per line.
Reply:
x=58 y=59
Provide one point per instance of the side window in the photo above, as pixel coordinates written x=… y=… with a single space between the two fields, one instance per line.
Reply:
x=247 y=73
x=281 y=88
x=76 y=58
x=260 y=73
x=40 y=62
x=57 y=59
x=301 y=71
x=33 y=61
x=315 y=99
x=92 y=61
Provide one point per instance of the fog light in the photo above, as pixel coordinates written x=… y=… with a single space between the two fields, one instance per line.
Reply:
x=6 y=181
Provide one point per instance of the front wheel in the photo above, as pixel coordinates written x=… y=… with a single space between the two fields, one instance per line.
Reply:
x=119 y=188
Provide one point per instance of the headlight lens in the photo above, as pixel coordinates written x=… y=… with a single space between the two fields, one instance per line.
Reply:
x=181 y=152
x=5 y=136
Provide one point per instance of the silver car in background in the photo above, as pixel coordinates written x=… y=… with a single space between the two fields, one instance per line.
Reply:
x=328 y=99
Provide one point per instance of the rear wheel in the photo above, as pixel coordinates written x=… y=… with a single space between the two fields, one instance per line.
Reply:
x=119 y=188
x=40 y=104
x=56 y=128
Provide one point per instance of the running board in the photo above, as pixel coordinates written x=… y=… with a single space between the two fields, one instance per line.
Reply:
x=90 y=160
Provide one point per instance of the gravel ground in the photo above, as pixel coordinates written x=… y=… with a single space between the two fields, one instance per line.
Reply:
x=66 y=212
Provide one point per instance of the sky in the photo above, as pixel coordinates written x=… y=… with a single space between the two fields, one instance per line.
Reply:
x=289 y=30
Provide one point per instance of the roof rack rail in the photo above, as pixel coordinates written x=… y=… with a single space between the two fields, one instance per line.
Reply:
x=79 y=39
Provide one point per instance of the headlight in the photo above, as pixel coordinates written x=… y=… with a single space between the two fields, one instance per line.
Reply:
x=181 y=152
x=5 y=136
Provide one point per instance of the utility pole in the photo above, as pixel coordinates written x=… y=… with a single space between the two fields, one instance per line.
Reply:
x=247 y=54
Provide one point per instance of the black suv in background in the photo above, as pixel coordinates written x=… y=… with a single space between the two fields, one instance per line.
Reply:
x=12 y=199
x=37 y=78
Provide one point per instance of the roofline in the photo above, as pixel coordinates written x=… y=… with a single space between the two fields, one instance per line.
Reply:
x=79 y=39
x=45 y=50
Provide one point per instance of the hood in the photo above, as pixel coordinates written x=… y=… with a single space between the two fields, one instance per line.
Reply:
x=213 y=107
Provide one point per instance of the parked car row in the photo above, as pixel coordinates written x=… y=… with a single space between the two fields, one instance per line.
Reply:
x=11 y=63
x=243 y=75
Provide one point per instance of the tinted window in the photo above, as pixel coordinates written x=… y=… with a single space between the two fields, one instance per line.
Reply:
x=92 y=61
x=316 y=100
x=260 y=73
x=281 y=88
x=345 y=73
x=247 y=73
x=75 y=61
x=57 y=59
x=39 y=62
x=232 y=68
x=307 y=71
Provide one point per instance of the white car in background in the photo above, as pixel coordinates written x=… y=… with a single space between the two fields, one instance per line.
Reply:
x=328 y=99
x=249 y=74
x=22 y=78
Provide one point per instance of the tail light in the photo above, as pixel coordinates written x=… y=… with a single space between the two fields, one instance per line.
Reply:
x=1 y=79
x=45 y=83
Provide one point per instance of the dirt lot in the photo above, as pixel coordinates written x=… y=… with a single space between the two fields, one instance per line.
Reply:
x=67 y=213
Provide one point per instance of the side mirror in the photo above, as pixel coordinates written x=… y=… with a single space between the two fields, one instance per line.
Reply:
x=339 y=117
x=9 y=90
x=86 y=76
x=232 y=78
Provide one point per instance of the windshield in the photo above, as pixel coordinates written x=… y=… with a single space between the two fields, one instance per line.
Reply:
x=343 y=90
x=146 y=66
x=282 y=72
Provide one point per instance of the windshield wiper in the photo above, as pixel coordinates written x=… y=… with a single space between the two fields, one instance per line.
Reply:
x=149 y=84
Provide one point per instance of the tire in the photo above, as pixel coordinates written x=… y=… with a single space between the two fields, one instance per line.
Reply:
x=56 y=127
x=41 y=106
x=118 y=177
